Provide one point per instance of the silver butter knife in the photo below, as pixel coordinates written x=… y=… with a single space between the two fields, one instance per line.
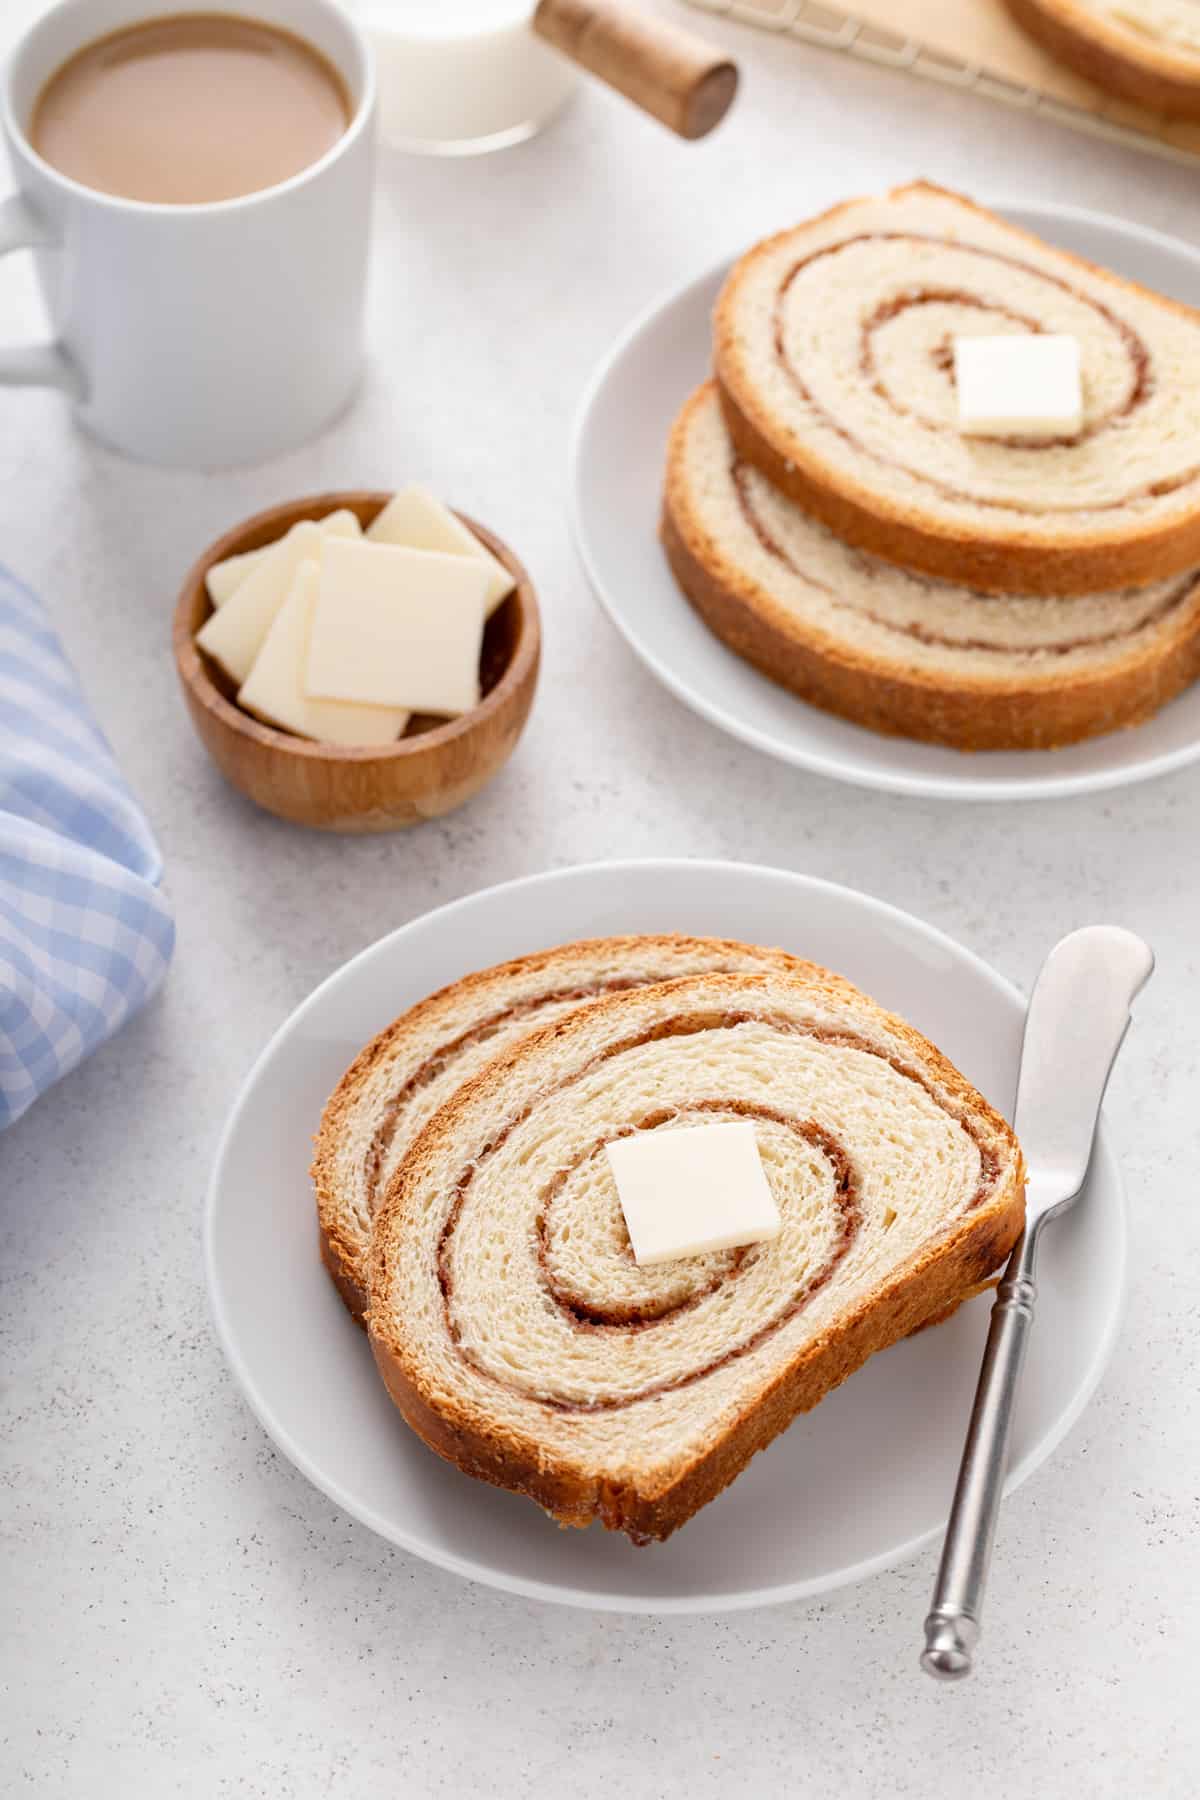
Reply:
x=1078 y=1016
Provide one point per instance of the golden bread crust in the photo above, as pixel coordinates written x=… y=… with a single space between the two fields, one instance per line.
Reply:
x=1117 y=59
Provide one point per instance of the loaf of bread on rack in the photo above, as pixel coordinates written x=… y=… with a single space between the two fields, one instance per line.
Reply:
x=900 y=652
x=521 y=1341
x=833 y=349
x=408 y=1070
x=1147 y=51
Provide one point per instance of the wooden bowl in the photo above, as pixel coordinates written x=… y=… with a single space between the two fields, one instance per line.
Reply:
x=435 y=766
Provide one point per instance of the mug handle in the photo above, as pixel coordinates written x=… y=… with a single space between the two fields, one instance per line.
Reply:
x=32 y=365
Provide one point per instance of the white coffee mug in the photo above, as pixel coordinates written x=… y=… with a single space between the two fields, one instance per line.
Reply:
x=205 y=335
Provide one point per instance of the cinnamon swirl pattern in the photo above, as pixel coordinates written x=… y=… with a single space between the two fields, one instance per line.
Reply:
x=832 y=351
x=898 y=651
x=516 y=1333
x=417 y=1063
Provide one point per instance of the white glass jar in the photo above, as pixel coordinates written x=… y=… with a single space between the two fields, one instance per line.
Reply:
x=461 y=76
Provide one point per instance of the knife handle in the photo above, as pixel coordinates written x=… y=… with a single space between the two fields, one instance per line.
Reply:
x=952 y=1627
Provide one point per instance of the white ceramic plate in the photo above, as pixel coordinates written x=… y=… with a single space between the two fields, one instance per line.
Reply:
x=616 y=484
x=852 y=1487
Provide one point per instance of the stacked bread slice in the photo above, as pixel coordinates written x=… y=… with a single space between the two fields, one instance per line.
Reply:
x=468 y=1208
x=398 y=1082
x=830 y=521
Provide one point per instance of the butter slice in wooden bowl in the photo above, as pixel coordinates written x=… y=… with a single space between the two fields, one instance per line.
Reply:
x=275 y=688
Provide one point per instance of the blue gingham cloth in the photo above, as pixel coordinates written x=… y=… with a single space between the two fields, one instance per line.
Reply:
x=85 y=934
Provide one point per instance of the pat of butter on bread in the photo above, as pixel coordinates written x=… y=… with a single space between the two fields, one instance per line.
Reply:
x=1023 y=384
x=397 y=627
x=235 y=634
x=691 y=1189
x=414 y=519
x=274 y=689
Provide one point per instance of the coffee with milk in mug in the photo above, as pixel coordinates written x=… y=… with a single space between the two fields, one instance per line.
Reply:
x=189 y=109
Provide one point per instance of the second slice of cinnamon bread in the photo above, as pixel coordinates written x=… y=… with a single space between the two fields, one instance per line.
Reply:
x=421 y=1059
x=904 y=653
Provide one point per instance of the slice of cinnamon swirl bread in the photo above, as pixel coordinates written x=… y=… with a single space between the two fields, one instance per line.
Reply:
x=1147 y=51
x=405 y=1073
x=521 y=1341
x=834 y=354
x=900 y=652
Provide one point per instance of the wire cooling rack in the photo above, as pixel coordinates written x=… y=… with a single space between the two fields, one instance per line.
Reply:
x=918 y=38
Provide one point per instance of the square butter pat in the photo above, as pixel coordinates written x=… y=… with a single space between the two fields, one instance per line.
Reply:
x=235 y=634
x=396 y=627
x=1020 y=385
x=697 y=1188
x=274 y=687
x=224 y=578
x=415 y=520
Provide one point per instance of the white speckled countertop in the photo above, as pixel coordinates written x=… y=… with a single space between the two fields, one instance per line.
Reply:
x=183 y=1614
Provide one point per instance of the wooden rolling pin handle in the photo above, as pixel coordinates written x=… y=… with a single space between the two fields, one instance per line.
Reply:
x=667 y=71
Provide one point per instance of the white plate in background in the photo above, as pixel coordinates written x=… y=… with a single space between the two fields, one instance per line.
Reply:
x=852 y=1487
x=616 y=487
